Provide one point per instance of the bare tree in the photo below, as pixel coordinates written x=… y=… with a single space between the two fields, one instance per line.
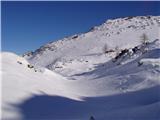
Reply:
x=144 y=38
x=105 y=49
x=116 y=48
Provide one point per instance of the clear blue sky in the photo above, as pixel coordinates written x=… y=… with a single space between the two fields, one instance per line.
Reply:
x=28 y=25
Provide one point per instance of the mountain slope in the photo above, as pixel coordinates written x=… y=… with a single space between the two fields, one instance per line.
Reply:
x=121 y=33
x=107 y=73
x=42 y=94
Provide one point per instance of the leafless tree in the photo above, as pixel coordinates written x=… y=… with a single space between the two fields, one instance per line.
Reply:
x=144 y=38
x=105 y=48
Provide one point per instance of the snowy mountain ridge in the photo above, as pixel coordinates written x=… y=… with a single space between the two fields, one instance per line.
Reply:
x=112 y=33
x=108 y=28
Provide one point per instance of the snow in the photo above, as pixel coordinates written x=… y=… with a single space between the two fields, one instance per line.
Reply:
x=20 y=82
x=93 y=41
x=152 y=62
x=74 y=79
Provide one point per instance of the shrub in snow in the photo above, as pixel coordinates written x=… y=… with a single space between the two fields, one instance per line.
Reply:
x=122 y=53
x=135 y=49
x=30 y=66
x=19 y=62
x=118 y=33
x=74 y=37
x=140 y=63
x=35 y=70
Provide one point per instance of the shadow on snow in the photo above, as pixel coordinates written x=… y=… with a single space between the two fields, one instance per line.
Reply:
x=56 y=108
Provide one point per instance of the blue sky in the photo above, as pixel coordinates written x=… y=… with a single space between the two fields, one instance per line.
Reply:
x=28 y=25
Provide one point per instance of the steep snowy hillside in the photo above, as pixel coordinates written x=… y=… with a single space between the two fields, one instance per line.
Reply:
x=118 y=33
x=109 y=73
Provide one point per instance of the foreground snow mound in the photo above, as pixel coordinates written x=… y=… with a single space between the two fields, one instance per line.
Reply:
x=20 y=81
x=139 y=105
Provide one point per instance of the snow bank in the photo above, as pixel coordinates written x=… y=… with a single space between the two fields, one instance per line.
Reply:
x=150 y=62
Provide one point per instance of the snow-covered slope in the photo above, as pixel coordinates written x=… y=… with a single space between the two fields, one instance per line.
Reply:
x=121 y=33
x=74 y=79
x=20 y=82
